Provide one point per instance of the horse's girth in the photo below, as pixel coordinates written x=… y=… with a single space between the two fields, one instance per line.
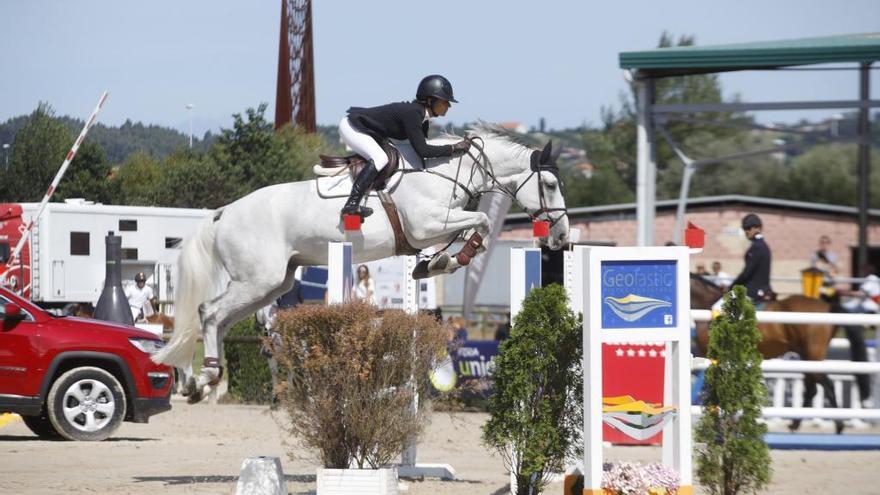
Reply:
x=402 y=247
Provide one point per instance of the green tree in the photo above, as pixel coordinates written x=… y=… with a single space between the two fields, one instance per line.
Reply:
x=136 y=182
x=37 y=152
x=734 y=458
x=824 y=174
x=537 y=408
x=248 y=150
x=194 y=180
x=87 y=177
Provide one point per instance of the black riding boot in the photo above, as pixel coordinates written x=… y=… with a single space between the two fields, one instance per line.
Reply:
x=361 y=186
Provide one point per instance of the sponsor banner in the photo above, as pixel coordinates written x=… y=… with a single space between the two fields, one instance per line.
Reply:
x=636 y=370
x=639 y=294
x=467 y=361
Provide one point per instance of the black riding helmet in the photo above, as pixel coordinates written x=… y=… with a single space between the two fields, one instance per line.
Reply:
x=435 y=86
x=751 y=220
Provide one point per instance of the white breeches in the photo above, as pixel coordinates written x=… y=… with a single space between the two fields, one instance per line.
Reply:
x=362 y=144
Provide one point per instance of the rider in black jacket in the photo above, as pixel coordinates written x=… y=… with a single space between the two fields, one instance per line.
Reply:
x=364 y=129
x=755 y=276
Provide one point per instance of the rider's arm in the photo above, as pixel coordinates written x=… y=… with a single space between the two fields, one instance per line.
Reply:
x=748 y=271
x=413 y=127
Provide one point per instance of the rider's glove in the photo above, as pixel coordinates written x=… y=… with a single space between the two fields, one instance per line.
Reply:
x=461 y=147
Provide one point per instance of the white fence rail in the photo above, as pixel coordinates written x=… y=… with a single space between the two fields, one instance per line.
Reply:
x=810 y=413
x=787 y=366
x=801 y=317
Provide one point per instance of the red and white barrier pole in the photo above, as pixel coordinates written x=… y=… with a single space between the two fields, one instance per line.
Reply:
x=57 y=179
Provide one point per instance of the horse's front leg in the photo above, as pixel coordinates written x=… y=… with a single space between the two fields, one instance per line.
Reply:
x=476 y=227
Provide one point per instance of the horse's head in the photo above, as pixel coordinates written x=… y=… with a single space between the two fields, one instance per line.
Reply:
x=530 y=176
x=539 y=190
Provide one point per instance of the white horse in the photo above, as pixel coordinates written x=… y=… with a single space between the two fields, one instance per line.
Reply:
x=257 y=242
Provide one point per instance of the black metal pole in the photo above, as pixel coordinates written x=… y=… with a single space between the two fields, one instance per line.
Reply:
x=864 y=165
x=113 y=305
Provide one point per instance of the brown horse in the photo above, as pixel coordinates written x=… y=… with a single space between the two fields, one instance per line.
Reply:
x=810 y=341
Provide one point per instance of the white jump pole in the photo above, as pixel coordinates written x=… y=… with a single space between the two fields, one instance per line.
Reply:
x=525 y=275
x=340 y=277
x=408 y=467
x=797 y=318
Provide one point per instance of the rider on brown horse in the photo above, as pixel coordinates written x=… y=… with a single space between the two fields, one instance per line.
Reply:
x=364 y=130
x=755 y=276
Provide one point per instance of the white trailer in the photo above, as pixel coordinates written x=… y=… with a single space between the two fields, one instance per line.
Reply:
x=65 y=261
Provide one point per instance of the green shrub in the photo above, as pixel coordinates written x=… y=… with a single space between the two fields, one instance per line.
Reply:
x=537 y=408
x=734 y=458
x=250 y=380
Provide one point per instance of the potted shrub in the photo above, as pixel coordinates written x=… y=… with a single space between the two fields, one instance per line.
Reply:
x=537 y=408
x=732 y=456
x=347 y=380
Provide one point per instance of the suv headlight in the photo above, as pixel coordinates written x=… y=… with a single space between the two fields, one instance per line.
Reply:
x=149 y=346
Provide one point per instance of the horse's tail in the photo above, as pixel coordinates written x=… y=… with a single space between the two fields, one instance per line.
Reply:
x=198 y=269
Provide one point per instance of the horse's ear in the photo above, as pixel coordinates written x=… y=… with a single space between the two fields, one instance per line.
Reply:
x=546 y=153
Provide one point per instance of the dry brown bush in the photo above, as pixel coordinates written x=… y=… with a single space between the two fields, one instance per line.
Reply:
x=348 y=377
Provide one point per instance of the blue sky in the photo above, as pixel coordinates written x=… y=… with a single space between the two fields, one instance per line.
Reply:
x=508 y=60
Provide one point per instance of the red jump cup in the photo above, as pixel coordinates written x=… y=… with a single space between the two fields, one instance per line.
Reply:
x=351 y=222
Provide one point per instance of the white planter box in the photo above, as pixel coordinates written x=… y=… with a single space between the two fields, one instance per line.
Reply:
x=357 y=481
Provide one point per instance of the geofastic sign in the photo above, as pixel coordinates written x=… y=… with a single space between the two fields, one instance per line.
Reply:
x=638 y=294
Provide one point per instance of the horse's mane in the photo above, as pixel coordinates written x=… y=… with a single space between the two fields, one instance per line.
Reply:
x=520 y=142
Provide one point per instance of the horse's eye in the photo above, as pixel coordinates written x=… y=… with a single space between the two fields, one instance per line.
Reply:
x=551 y=186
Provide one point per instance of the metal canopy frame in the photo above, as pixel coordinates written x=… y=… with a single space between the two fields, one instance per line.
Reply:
x=651 y=117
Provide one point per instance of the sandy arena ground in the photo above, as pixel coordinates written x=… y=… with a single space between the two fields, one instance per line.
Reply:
x=199 y=449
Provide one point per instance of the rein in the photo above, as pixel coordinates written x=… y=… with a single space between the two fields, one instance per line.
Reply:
x=482 y=162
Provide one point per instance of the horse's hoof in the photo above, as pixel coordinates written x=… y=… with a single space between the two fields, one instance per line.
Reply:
x=839 y=426
x=421 y=270
x=196 y=396
x=439 y=262
x=794 y=425
x=189 y=387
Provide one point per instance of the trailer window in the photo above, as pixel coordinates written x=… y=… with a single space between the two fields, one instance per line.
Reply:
x=129 y=253
x=172 y=242
x=79 y=244
x=128 y=225
x=4 y=252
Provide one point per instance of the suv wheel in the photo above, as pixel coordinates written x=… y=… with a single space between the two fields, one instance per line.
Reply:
x=86 y=404
x=41 y=426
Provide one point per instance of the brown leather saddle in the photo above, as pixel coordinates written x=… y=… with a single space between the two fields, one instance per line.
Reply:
x=355 y=163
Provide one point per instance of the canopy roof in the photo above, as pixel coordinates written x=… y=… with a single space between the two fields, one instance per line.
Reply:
x=681 y=60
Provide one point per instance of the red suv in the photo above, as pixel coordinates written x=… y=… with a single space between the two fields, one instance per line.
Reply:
x=77 y=378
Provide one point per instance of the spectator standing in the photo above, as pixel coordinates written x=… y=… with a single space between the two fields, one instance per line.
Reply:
x=826 y=260
x=863 y=300
x=722 y=279
x=365 y=288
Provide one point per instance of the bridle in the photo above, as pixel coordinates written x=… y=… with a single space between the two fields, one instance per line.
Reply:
x=482 y=163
